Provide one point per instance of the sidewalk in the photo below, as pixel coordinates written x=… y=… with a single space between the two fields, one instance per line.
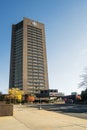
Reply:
x=26 y=118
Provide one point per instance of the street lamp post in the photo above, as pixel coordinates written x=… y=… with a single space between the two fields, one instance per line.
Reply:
x=40 y=100
x=40 y=104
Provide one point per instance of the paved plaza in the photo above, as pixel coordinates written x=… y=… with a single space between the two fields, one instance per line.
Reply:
x=28 y=118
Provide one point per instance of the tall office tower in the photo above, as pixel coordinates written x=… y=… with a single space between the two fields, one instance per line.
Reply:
x=28 y=64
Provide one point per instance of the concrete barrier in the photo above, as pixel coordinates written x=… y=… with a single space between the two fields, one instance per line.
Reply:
x=6 y=110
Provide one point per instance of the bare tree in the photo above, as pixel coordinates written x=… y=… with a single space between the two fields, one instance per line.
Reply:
x=83 y=82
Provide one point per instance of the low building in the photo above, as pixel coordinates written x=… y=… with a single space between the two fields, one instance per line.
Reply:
x=48 y=93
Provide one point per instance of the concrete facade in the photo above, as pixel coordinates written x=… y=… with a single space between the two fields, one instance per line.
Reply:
x=28 y=66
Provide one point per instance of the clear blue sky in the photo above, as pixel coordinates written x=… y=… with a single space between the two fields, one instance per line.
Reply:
x=66 y=38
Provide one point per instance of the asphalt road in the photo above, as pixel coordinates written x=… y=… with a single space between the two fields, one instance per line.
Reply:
x=75 y=110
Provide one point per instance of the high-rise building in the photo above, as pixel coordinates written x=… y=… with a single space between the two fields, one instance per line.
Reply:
x=28 y=63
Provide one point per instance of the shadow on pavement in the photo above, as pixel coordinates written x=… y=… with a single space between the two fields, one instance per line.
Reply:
x=68 y=109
